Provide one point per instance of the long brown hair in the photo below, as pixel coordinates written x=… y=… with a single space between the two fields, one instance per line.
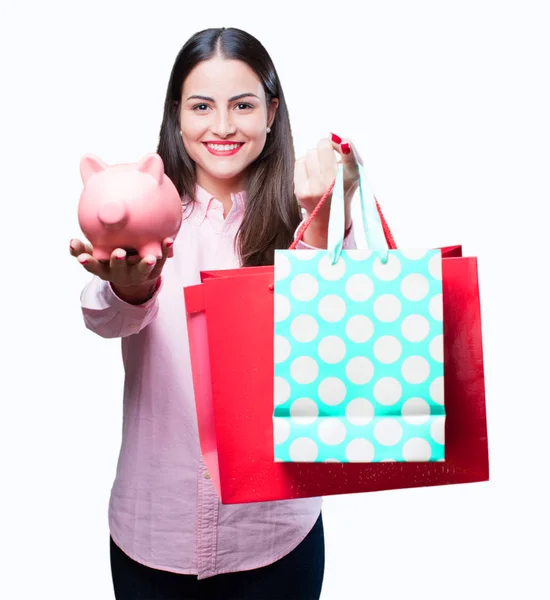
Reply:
x=271 y=212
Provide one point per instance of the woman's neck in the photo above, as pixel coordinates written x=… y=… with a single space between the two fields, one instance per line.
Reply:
x=222 y=189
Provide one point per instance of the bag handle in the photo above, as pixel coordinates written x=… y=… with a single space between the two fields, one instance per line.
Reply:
x=372 y=224
x=385 y=227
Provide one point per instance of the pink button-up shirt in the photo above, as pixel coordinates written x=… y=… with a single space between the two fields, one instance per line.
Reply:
x=164 y=511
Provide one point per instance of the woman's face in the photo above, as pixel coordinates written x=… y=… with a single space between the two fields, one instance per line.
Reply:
x=224 y=119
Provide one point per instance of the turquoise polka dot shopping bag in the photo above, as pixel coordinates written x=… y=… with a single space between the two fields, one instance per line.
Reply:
x=358 y=348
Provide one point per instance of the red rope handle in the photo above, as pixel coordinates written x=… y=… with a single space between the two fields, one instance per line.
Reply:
x=300 y=233
x=306 y=224
x=387 y=233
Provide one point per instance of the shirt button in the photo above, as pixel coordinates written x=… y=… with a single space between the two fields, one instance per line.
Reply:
x=207 y=475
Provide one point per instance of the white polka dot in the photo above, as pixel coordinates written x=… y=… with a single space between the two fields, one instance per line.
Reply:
x=388 y=432
x=388 y=271
x=332 y=308
x=359 y=329
x=359 y=255
x=387 y=391
x=305 y=254
x=303 y=450
x=437 y=430
x=304 y=369
x=415 y=328
x=332 y=349
x=304 y=328
x=282 y=266
x=332 y=431
x=387 y=308
x=332 y=391
x=415 y=287
x=281 y=307
x=436 y=307
x=359 y=370
x=437 y=390
x=415 y=369
x=281 y=349
x=281 y=430
x=304 y=411
x=359 y=287
x=359 y=411
x=332 y=272
x=387 y=349
x=417 y=450
x=436 y=348
x=360 y=450
x=434 y=266
x=281 y=390
x=415 y=411
x=414 y=253
x=304 y=287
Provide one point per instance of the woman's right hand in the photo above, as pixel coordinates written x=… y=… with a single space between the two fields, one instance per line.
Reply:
x=133 y=279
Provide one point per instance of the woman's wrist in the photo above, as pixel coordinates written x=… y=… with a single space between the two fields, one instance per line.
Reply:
x=316 y=235
x=348 y=230
x=136 y=294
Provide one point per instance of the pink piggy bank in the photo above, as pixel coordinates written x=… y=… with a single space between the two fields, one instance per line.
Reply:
x=132 y=206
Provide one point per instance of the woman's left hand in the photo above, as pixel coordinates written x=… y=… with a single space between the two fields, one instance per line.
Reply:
x=313 y=174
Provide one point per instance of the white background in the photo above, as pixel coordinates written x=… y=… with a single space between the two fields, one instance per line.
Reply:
x=448 y=103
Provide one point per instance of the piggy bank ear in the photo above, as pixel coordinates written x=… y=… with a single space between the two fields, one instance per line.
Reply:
x=152 y=165
x=90 y=165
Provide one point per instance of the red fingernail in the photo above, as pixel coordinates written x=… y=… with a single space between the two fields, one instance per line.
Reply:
x=169 y=244
x=83 y=262
x=336 y=139
x=346 y=149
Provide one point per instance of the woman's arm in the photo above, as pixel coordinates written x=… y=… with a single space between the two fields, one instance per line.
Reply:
x=109 y=315
x=122 y=297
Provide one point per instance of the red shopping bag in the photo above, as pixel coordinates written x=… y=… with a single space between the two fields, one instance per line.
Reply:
x=230 y=323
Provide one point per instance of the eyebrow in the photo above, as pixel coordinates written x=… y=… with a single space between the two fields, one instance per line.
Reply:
x=232 y=99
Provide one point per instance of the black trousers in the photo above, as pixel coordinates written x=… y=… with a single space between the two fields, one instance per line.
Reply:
x=297 y=576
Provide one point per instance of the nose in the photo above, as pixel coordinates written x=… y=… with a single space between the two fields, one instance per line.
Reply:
x=222 y=124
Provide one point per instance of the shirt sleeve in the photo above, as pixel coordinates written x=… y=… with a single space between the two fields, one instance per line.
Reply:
x=109 y=316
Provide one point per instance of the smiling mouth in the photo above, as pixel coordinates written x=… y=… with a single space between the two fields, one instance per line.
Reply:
x=226 y=149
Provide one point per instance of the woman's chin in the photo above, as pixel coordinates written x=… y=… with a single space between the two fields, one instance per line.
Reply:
x=228 y=172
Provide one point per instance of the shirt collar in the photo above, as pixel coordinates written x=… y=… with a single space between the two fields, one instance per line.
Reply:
x=205 y=199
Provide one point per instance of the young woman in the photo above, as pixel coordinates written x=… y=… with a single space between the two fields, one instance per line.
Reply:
x=226 y=143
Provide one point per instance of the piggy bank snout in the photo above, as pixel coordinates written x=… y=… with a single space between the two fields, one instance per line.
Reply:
x=113 y=214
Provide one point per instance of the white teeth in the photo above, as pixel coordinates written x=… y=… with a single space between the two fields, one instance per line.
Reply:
x=223 y=147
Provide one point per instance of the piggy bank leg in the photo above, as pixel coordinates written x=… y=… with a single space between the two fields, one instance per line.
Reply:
x=153 y=248
x=102 y=254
